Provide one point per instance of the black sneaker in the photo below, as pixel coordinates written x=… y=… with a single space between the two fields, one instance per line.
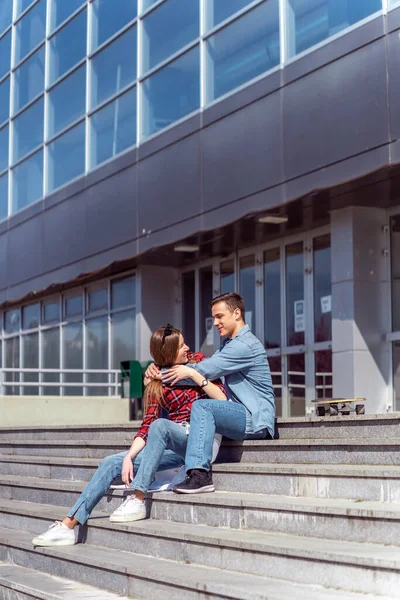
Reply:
x=196 y=482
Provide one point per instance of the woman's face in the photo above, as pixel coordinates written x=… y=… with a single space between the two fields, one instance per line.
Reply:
x=182 y=356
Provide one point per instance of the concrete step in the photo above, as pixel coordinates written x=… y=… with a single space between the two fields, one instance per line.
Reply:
x=119 y=431
x=336 y=519
x=19 y=583
x=355 y=482
x=356 y=451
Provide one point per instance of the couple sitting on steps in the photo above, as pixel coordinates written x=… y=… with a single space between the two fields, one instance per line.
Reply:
x=187 y=385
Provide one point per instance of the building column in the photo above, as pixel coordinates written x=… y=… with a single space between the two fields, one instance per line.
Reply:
x=360 y=306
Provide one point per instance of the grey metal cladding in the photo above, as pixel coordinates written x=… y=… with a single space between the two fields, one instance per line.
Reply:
x=25 y=251
x=393 y=66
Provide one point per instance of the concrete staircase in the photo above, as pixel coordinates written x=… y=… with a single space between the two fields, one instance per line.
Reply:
x=313 y=515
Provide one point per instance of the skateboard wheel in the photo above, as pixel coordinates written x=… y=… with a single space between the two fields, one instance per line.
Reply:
x=320 y=411
x=360 y=409
x=333 y=410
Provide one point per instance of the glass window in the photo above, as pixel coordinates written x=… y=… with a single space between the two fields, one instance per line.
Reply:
x=27 y=182
x=21 y=6
x=219 y=10
x=73 y=357
x=97 y=354
x=12 y=321
x=227 y=273
x=97 y=300
x=123 y=292
x=243 y=50
x=295 y=308
x=114 y=67
x=28 y=130
x=275 y=365
x=147 y=3
x=396 y=375
x=68 y=47
x=206 y=321
x=51 y=311
x=4 y=148
x=314 y=21
x=5 y=14
x=11 y=347
x=73 y=306
x=67 y=101
x=113 y=128
x=31 y=316
x=171 y=93
x=272 y=298
x=322 y=289
x=67 y=157
x=29 y=80
x=60 y=10
x=395 y=254
x=247 y=289
x=123 y=335
x=171 y=26
x=323 y=374
x=30 y=360
x=188 y=308
x=30 y=30
x=3 y=198
x=297 y=384
x=5 y=54
x=50 y=348
x=4 y=99
x=107 y=20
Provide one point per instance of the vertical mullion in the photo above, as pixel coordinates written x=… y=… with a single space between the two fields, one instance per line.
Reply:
x=203 y=100
x=309 y=320
x=283 y=31
x=197 y=307
x=139 y=62
x=46 y=98
x=259 y=295
x=89 y=23
x=284 y=378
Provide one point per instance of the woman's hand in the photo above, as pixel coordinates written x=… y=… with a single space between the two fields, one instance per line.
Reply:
x=177 y=373
x=127 y=470
x=152 y=372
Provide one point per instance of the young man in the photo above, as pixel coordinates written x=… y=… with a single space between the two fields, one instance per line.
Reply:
x=248 y=413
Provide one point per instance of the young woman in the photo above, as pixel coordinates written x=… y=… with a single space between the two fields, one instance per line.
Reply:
x=152 y=450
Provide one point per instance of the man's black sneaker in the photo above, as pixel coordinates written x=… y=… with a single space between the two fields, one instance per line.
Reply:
x=196 y=482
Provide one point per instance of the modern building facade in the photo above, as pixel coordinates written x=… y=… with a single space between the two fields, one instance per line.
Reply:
x=156 y=154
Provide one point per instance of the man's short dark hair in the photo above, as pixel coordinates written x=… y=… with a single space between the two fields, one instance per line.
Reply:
x=232 y=300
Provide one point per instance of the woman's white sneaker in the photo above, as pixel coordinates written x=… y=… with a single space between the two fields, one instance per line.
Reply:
x=132 y=509
x=58 y=534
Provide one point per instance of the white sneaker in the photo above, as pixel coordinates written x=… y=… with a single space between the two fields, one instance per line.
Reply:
x=57 y=534
x=132 y=509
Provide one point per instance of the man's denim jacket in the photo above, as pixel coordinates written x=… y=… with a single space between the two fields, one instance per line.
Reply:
x=243 y=362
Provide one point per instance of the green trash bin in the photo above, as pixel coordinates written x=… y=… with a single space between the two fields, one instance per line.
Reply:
x=132 y=386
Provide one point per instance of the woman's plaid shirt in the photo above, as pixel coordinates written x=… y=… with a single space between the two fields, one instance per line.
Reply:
x=176 y=400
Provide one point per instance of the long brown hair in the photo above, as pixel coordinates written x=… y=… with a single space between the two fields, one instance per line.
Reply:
x=164 y=347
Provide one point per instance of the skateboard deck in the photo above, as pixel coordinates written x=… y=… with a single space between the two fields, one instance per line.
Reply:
x=339 y=406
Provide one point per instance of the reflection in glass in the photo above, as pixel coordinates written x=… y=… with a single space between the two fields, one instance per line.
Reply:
x=51 y=311
x=30 y=30
x=5 y=54
x=12 y=321
x=68 y=46
x=295 y=307
x=395 y=254
x=67 y=101
x=206 y=321
x=31 y=316
x=323 y=374
x=219 y=10
x=73 y=357
x=4 y=196
x=123 y=292
x=97 y=354
x=171 y=93
x=322 y=289
x=123 y=336
x=97 y=300
x=4 y=99
x=73 y=306
x=4 y=148
x=11 y=347
x=22 y=5
x=275 y=366
x=28 y=130
x=27 y=182
x=113 y=128
x=167 y=29
x=114 y=67
x=60 y=10
x=247 y=289
x=5 y=14
x=272 y=298
x=227 y=273
x=67 y=157
x=297 y=384
x=396 y=375
x=30 y=360
x=50 y=348
x=243 y=50
x=188 y=308
x=29 y=80
x=147 y=3
x=314 y=21
x=107 y=20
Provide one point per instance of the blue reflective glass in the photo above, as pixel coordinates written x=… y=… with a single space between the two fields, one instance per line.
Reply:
x=27 y=182
x=30 y=30
x=219 y=10
x=3 y=197
x=67 y=101
x=22 y=5
x=4 y=100
x=61 y=10
x=5 y=14
x=316 y=20
x=67 y=157
x=113 y=128
x=4 y=148
x=114 y=67
x=171 y=93
x=5 y=54
x=168 y=28
x=68 y=46
x=29 y=80
x=147 y=3
x=107 y=20
x=243 y=50
x=28 y=130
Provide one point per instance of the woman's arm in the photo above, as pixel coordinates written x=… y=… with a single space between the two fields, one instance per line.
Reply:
x=127 y=464
x=212 y=390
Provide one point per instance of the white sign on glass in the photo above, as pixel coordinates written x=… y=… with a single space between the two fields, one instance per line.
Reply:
x=209 y=331
x=299 y=318
x=326 y=304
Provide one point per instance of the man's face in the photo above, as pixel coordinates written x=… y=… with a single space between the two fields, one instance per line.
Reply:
x=225 y=320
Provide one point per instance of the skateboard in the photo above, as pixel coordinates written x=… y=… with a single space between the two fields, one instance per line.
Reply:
x=339 y=406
